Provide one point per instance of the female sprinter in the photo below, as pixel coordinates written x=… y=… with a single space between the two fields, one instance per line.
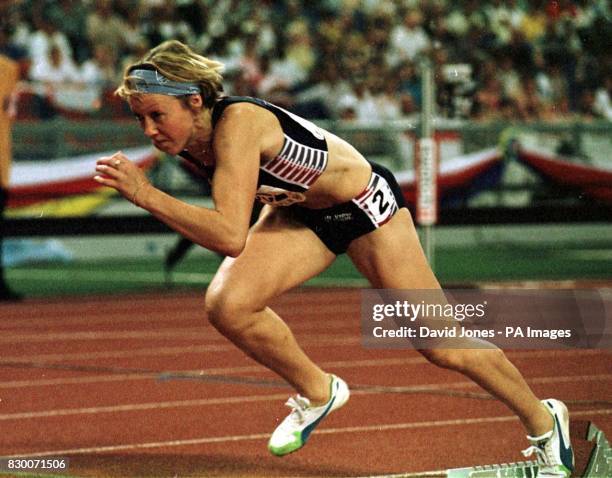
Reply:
x=322 y=199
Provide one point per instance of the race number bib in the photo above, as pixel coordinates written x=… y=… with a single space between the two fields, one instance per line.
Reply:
x=377 y=201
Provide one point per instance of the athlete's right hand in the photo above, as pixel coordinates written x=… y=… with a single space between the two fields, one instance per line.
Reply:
x=118 y=172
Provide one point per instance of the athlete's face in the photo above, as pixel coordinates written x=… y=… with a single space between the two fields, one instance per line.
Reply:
x=166 y=120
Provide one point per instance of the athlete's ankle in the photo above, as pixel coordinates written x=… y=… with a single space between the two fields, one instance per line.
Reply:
x=322 y=394
x=543 y=424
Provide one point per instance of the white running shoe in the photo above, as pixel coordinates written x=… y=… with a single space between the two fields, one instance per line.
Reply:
x=292 y=433
x=553 y=449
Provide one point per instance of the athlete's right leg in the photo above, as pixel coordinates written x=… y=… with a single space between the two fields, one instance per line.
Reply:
x=279 y=254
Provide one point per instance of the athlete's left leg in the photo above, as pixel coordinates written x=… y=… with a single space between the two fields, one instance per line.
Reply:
x=391 y=257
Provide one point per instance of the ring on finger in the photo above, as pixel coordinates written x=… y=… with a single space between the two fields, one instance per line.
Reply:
x=117 y=162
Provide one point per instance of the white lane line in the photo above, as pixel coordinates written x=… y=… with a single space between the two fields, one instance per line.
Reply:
x=422 y=388
x=262 y=436
x=169 y=333
x=128 y=376
x=219 y=344
x=75 y=381
x=206 y=371
x=301 y=329
x=128 y=314
x=195 y=372
x=136 y=407
x=418 y=474
x=203 y=331
x=147 y=352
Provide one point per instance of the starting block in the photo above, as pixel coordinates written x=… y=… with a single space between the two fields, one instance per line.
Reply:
x=600 y=462
x=592 y=455
x=521 y=469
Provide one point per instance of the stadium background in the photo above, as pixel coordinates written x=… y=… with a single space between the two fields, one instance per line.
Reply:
x=535 y=72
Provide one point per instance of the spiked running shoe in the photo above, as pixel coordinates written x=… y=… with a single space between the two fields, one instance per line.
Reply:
x=292 y=433
x=553 y=449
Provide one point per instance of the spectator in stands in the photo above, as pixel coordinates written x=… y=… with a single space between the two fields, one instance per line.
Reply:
x=355 y=55
x=533 y=24
x=409 y=82
x=71 y=16
x=507 y=110
x=100 y=71
x=274 y=86
x=299 y=54
x=11 y=49
x=529 y=102
x=553 y=88
x=409 y=39
x=587 y=106
x=326 y=88
x=194 y=13
x=436 y=25
x=377 y=35
x=488 y=99
x=55 y=68
x=503 y=17
x=603 y=99
x=50 y=74
x=503 y=67
x=294 y=36
x=165 y=24
x=385 y=87
x=521 y=51
x=46 y=35
x=567 y=57
x=250 y=63
x=105 y=27
x=560 y=9
x=358 y=104
x=133 y=35
x=9 y=75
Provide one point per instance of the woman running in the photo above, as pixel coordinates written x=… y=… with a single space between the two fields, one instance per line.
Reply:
x=322 y=198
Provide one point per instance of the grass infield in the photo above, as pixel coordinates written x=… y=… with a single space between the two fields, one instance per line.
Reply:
x=453 y=266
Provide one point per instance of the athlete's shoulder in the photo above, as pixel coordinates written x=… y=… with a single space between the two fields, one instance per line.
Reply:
x=235 y=105
x=239 y=111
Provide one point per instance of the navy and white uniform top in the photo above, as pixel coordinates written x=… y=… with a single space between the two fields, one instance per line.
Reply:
x=302 y=159
x=284 y=179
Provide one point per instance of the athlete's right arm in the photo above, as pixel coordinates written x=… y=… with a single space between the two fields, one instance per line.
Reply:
x=224 y=229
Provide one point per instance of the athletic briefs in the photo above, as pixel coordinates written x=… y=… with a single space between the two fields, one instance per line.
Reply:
x=339 y=225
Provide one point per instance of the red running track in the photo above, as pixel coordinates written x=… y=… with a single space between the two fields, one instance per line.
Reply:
x=95 y=380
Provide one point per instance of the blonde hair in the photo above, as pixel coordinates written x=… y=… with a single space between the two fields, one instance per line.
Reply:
x=177 y=62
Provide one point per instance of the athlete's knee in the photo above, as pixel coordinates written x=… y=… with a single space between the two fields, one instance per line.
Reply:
x=445 y=358
x=227 y=308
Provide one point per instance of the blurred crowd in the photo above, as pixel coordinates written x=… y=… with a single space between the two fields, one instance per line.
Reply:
x=524 y=60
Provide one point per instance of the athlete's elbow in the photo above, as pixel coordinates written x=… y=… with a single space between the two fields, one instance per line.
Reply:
x=233 y=252
x=233 y=247
x=231 y=238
